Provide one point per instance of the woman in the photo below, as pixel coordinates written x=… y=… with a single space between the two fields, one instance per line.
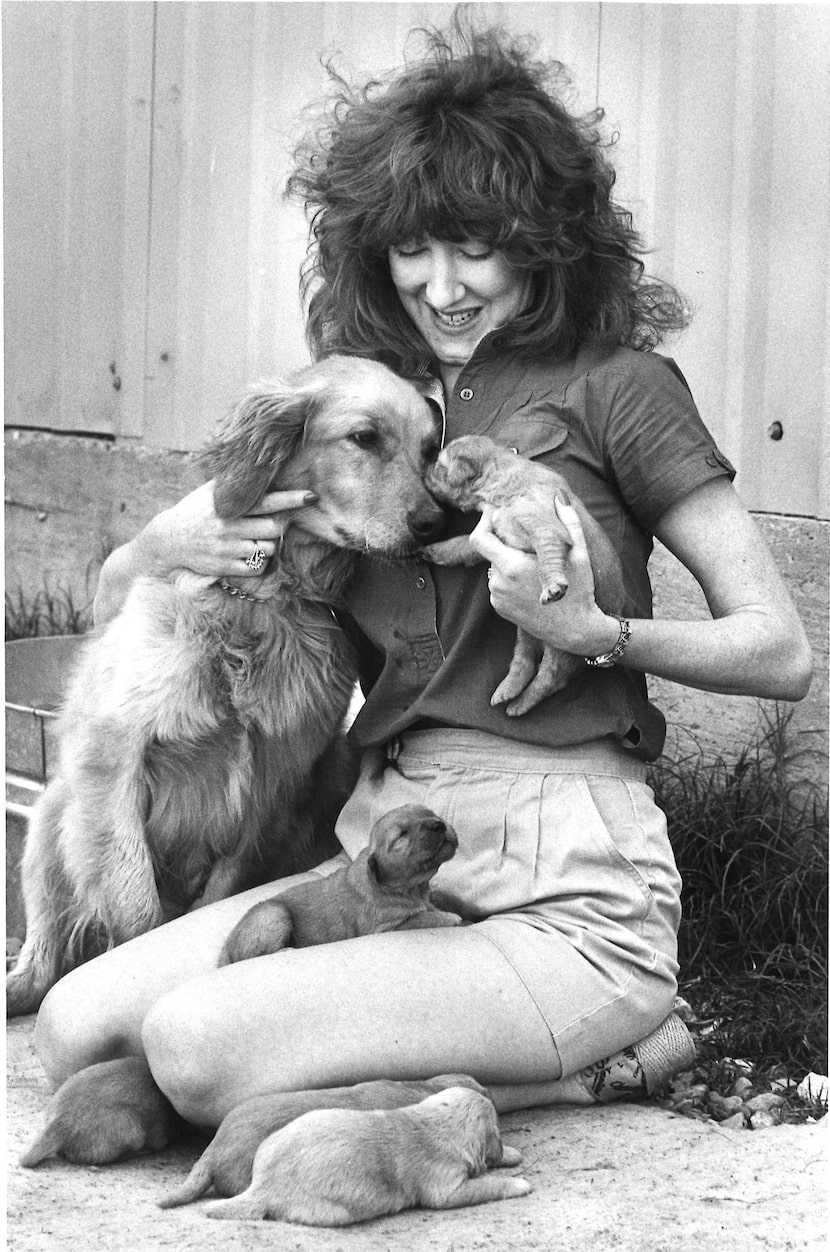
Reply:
x=464 y=233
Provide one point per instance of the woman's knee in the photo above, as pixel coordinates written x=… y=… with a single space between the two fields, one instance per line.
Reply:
x=185 y=1058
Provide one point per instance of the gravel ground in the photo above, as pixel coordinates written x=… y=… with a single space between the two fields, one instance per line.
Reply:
x=632 y=1178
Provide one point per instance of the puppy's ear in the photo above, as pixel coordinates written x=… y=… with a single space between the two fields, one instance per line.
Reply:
x=373 y=868
x=257 y=439
x=462 y=471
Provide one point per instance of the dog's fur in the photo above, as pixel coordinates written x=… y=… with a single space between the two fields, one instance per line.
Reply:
x=227 y=1162
x=333 y=1167
x=196 y=736
x=386 y=887
x=105 y=1112
x=474 y=473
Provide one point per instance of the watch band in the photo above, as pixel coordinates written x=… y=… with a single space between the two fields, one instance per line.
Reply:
x=607 y=659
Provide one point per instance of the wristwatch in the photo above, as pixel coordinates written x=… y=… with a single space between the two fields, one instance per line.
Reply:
x=607 y=659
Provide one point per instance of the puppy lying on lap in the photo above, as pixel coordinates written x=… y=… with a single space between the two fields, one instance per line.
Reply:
x=334 y=1167
x=386 y=887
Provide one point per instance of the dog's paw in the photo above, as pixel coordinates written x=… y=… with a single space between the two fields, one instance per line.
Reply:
x=553 y=593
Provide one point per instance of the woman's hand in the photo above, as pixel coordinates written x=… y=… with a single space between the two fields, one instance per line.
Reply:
x=575 y=623
x=190 y=536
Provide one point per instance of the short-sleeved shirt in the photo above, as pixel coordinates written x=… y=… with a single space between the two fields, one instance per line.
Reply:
x=622 y=428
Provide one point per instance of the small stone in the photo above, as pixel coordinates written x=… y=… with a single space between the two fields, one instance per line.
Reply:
x=814 y=1089
x=683 y=1009
x=724 y=1106
x=736 y=1122
x=764 y=1118
x=764 y=1102
x=740 y=1086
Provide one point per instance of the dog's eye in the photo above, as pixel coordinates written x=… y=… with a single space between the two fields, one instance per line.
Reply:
x=364 y=438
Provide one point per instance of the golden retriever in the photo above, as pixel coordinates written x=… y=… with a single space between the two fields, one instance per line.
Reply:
x=475 y=473
x=333 y=1167
x=103 y=1113
x=227 y=1162
x=196 y=736
x=386 y=887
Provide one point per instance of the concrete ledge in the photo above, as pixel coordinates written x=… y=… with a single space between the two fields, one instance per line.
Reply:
x=71 y=500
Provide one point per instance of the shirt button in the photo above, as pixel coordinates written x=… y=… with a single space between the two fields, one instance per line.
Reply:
x=420 y=583
x=466 y=393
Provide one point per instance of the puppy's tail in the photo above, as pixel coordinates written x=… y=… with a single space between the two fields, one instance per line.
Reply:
x=47 y=1144
x=245 y=1207
x=198 y=1181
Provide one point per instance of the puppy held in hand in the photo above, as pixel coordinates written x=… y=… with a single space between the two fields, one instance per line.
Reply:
x=474 y=473
x=103 y=1113
x=227 y=1162
x=386 y=887
x=333 y=1167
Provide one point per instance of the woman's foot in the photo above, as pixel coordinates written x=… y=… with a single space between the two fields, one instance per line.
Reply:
x=639 y=1070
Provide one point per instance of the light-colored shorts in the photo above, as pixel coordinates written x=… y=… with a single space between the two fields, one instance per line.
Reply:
x=563 y=864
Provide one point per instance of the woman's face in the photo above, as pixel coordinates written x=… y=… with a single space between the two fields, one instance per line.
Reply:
x=456 y=293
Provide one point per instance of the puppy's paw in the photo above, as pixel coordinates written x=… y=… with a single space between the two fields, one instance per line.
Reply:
x=517 y=1187
x=553 y=593
x=510 y=1156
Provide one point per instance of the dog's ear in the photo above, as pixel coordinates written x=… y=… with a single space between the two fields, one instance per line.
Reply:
x=254 y=443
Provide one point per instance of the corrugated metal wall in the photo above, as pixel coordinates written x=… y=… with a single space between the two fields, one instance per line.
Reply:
x=151 y=267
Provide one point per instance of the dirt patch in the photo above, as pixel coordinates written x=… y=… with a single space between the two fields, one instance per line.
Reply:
x=632 y=1178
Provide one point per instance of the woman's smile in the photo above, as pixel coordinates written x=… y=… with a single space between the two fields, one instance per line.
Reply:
x=455 y=294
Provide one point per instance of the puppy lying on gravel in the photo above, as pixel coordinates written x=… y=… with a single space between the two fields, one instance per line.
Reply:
x=227 y=1162
x=333 y=1167
x=386 y=887
x=473 y=473
x=104 y=1112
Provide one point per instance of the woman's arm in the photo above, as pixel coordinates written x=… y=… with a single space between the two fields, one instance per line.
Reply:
x=755 y=643
x=191 y=536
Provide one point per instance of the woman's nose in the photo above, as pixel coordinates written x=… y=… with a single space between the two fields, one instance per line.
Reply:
x=443 y=287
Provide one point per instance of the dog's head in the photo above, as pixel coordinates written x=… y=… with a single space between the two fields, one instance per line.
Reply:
x=347 y=429
x=457 y=476
x=407 y=845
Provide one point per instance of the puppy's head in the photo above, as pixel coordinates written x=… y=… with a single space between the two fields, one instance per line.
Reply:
x=407 y=845
x=347 y=429
x=471 y=1125
x=457 y=476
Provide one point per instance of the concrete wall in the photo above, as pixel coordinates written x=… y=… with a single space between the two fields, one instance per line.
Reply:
x=70 y=500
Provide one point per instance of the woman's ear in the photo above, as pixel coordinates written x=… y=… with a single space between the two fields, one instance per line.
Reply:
x=248 y=453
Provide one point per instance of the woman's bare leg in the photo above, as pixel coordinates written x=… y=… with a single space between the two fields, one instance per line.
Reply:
x=410 y=1004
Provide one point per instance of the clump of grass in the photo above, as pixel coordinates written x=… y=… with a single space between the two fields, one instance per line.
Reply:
x=48 y=612
x=751 y=846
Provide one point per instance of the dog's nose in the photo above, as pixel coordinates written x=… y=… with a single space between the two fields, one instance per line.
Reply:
x=426 y=524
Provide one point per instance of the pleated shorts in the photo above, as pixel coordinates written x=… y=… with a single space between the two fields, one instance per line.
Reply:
x=563 y=865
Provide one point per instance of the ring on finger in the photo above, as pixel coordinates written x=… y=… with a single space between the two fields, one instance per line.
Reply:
x=257 y=559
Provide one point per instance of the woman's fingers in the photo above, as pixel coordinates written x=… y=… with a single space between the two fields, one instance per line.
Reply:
x=282 y=501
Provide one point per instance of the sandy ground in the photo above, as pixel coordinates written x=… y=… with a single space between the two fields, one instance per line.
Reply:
x=627 y=1178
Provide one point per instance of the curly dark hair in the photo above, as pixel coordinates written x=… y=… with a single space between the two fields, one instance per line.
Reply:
x=472 y=141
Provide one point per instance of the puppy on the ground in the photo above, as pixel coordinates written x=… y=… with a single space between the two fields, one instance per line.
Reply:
x=474 y=473
x=386 y=887
x=333 y=1167
x=105 y=1112
x=226 y=1164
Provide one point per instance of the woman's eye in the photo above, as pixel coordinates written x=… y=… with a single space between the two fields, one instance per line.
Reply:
x=407 y=249
x=364 y=438
x=477 y=252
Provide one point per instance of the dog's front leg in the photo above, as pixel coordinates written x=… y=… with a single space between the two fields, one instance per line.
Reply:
x=457 y=551
x=109 y=858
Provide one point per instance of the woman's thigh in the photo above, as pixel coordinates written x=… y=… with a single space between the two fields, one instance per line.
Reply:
x=406 y=1004
x=96 y=1011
